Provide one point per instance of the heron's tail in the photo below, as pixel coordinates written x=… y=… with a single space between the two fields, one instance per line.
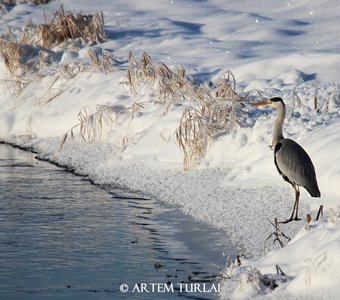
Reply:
x=313 y=190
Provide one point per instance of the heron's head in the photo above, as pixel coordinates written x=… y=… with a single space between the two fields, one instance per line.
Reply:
x=275 y=102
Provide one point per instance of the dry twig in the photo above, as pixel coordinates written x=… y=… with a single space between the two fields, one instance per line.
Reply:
x=277 y=233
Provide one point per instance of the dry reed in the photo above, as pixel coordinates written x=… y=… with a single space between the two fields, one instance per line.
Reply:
x=26 y=60
x=91 y=125
x=66 y=26
x=12 y=54
x=192 y=138
x=102 y=63
x=214 y=108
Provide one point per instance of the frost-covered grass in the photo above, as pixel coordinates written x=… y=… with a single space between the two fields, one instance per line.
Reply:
x=133 y=127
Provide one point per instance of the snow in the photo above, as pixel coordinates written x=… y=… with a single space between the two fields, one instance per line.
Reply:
x=286 y=49
x=310 y=260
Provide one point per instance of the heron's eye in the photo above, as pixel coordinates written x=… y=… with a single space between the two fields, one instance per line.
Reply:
x=276 y=99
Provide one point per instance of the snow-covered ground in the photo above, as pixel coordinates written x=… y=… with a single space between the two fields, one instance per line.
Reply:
x=289 y=49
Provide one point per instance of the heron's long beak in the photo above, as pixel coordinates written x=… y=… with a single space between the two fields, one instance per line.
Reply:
x=266 y=103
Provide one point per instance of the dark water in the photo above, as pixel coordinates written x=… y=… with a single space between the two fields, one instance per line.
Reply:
x=62 y=237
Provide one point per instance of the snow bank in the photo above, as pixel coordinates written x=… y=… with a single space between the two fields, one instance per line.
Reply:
x=309 y=263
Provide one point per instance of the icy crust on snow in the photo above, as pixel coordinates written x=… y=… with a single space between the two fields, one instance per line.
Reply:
x=286 y=49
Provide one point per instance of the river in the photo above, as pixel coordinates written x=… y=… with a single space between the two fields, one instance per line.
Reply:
x=62 y=237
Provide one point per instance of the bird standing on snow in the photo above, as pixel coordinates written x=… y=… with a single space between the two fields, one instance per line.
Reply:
x=292 y=162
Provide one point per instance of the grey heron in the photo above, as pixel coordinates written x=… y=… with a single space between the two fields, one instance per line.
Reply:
x=291 y=160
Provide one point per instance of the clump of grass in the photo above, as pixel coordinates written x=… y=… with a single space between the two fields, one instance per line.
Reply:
x=91 y=125
x=12 y=54
x=192 y=137
x=24 y=53
x=214 y=108
x=218 y=108
x=140 y=73
x=21 y=58
x=102 y=63
x=25 y=63
x=171 y=86
x=26 y=56
x=22 y=61
x=65 y=26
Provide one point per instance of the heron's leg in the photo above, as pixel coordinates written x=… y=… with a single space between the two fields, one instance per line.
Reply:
x=291 y=217
x=297 y=198
x=296 y=206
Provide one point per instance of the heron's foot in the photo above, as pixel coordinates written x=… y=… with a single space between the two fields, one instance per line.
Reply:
x=287 y=221
x=290 y=220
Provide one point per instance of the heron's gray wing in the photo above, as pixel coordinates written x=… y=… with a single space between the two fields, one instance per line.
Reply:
x=293 y=162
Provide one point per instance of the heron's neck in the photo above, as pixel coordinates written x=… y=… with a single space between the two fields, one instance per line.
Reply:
x=277 y=135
